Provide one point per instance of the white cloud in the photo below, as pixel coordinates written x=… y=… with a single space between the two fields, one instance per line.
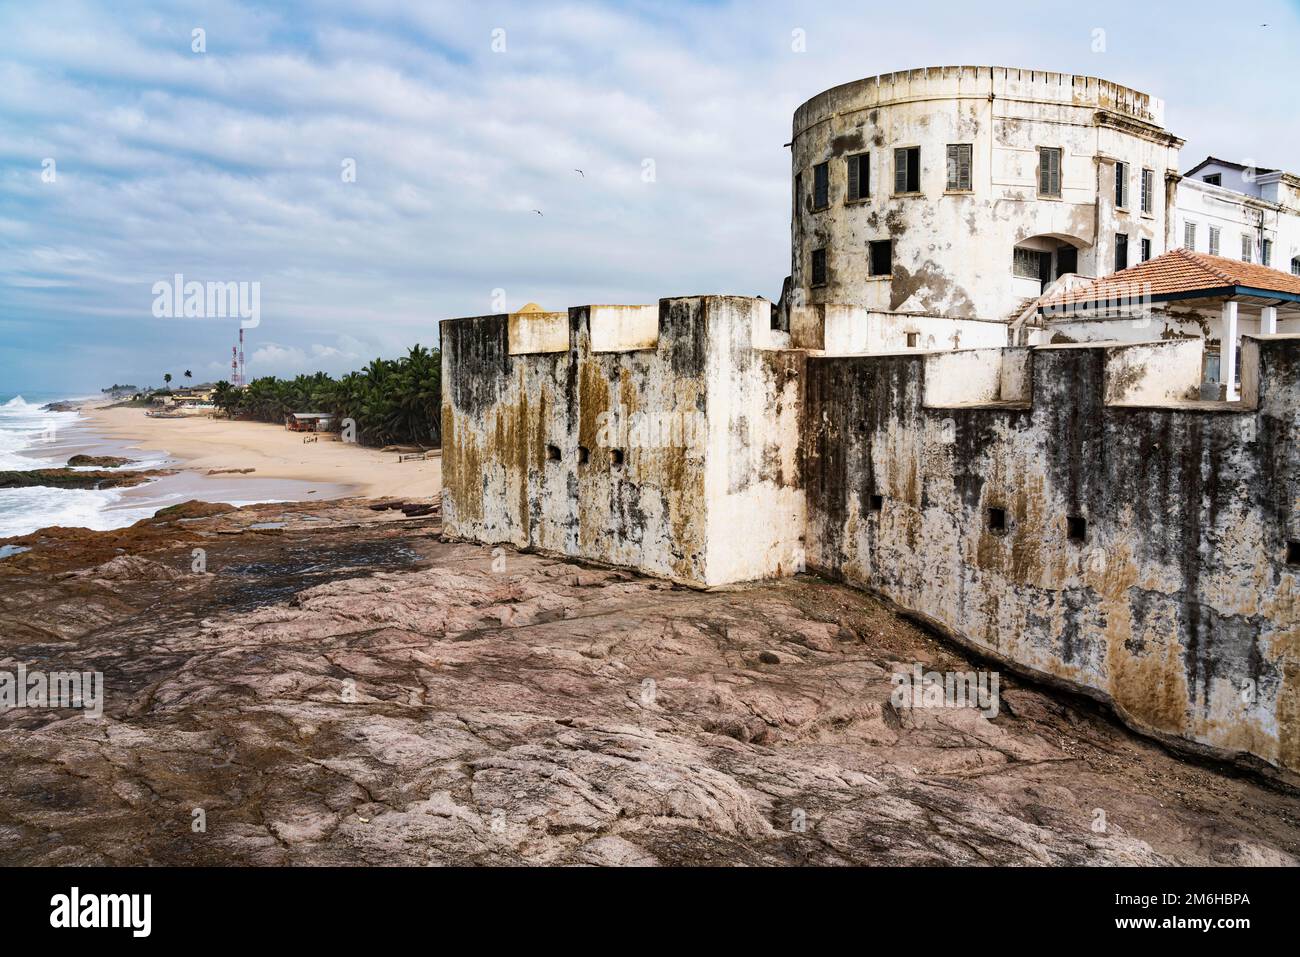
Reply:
x=226 y=165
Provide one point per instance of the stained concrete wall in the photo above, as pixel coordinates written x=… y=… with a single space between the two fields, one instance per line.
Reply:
x=675 y=454
x=838 y=329
x=1177 y=603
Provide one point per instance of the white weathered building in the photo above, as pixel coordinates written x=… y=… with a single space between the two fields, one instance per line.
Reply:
x=931 y=207
x=1241 y=212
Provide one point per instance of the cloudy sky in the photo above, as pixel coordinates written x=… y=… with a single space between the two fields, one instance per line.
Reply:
x=232 y=163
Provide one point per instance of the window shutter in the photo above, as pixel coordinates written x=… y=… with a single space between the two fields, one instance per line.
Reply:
x=854 y=187
x=1049 y=171
x=821 y=185
x=959 y=161
x=900 y=171
x=1121 y=181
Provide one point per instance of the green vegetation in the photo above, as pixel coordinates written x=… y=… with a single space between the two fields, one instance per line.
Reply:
x=391 y=400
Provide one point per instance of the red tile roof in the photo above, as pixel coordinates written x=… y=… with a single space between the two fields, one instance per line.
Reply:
x=1178 y=272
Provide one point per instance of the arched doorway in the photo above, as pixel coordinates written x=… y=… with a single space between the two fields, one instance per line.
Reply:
x=1044 y=258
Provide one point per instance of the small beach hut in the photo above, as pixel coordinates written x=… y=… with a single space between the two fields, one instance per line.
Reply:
x=310 y=421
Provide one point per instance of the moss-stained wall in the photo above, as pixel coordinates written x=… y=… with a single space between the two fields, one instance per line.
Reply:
x=1176 y=602
x=623 y=456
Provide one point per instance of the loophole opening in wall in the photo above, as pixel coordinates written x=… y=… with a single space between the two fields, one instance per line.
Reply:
x=877 y=502
x=616 y=458
x=997 y=520
x=552 y=453
x=912 y=339
x=1293 y=553
x=1076 y=527
x=584 y=455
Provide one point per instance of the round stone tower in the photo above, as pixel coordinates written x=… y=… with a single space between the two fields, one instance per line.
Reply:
x=930 y=206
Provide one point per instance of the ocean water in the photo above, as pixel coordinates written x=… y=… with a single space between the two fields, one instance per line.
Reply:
x=32 y=438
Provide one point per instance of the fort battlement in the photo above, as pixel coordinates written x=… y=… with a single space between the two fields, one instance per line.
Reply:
x=1091 y=526
x=1068 y=510
x=660 y=438
x=958 y=82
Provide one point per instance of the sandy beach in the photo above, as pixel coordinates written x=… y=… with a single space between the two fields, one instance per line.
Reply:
x=202 y=444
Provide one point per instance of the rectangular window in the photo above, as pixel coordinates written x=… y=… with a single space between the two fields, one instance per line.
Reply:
x=1121 y=251
x=1076 y=528
x=1189 y=236
x=1024 y=263
x=859 y=176
x=821 y=186
x=1214 y=179
x=881 y=254
x=1247 y=246
x=907 y=170
x=1214 y=240
x=798 y=191
x=959 y=166
x=819 y=267
x=1295 y=266
x=997 y=520
x=1121 y=185
x=1146 y=249
x=1148 y=190
x=1049 y=171
x=1266 y=253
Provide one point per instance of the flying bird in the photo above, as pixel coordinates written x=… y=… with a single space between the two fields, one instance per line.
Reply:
x=538 y=212
x=581 y=173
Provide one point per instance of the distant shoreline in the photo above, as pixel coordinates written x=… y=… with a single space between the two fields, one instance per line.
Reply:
x=203 y=444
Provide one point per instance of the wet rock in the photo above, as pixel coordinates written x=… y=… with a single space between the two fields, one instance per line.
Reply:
x=98 y=461
x=67 y=478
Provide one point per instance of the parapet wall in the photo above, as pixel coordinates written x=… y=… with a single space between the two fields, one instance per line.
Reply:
x=659 y=438
x=1064 y=509
x=1100 y=532
x=948 y=82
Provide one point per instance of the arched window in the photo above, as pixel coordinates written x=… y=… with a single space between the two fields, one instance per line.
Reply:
x=1295 y=266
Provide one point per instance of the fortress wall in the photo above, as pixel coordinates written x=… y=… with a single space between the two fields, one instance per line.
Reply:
x=661 y=457
x=1143 y=553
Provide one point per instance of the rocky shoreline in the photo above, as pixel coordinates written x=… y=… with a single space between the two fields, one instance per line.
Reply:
x=72 y=478
x=333 y=683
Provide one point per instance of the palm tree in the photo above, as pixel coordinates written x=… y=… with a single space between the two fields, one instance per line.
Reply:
x=167 y=378
x=391 y=400
x=226 y=398
x=189 y=374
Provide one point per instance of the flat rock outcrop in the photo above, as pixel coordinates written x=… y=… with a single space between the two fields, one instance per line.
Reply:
x=346 y=688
